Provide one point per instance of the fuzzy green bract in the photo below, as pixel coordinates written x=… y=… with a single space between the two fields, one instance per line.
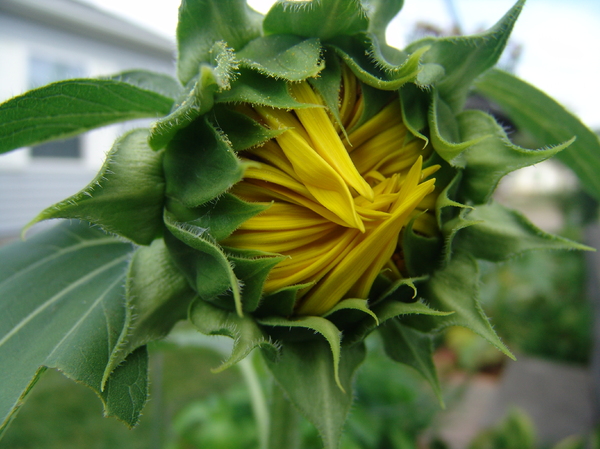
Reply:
x=166 y=190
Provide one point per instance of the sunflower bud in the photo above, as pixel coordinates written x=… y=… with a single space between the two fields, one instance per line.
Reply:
x=336 y=203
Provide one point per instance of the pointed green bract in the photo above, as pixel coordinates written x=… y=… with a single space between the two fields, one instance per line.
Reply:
x=221 y=216
x=204 y=22
x=463 y=58
x=158 y=296
x=499 y=233
x=255 y=88
x=246 y=334
x=322 y=19
x=490 y=159
x=455 y=288
x=203 y=262
x=71 y=318
x=413 y=348
x=126 y=197
x=380 y=13
x=200 y=165
x=68 y=108
x=549 y=123
x=283 y=56
x=306 y=374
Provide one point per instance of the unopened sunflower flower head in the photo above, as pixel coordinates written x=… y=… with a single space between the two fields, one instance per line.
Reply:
x=314 y=185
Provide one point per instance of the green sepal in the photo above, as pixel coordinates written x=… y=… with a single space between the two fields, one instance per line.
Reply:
x=316 y=324
x=220 y=217
x=553 y=126
x=328 y=85
x=499 y=233
x=63 y=331
x=203 y=263
x=380 y=13
x=305 y=372
x=411 y=347
x=491 y=159
x=349 y=311
x=455 y=288
x=415 y=110
x=385 y=311
x=252 y=274
x=421 y=253
x=126 y=197
x=160 y=83
x=283 y=56
x=445 y=133
x=463 y=58
x=365 y=60
x=280 y=302
x=71 y=107
x=255 y=88
x=158 y=296
x=241 y=131
x=446 y=208
x=204 y=22
x=200 y=165
x=198 y=100
x=322 y=19
x=246 y=334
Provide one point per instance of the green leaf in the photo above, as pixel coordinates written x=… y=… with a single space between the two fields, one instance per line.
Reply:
x=158 y=296
x=244 y=331
x=70 y=318
x=162 y=84
x=445 y=133
x=413 y=348
x=498 y=233
x=67 y=108
x=200 y=165
x=455 y=288
x=463 y=58
x=380 y=13
x=319 y=325
x=283 y=56
x=241 y=131
x=203 y=262
x=221 y=216
x=490 y=159
x=364 y=57
x=306 y=374
x=255 y=88
x=204 y=22
x=322 y=19
x=127 y=195
x=548 y=122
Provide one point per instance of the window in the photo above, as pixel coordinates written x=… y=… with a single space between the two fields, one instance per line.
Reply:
x=42 y=71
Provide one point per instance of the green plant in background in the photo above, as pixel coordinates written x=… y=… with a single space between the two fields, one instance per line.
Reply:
x=303 y=186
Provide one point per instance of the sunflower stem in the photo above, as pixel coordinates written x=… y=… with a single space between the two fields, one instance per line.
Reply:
x=257 y=397
x=285 y=422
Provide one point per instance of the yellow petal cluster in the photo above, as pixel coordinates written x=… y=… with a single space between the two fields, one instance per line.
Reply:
x=339 y=196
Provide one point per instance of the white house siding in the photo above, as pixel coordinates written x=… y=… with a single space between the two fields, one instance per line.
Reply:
x=27 y=184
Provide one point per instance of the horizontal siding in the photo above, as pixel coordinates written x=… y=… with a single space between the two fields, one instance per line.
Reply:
x=24 y=194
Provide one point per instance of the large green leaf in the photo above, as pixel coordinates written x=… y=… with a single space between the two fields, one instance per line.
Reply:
x=548 y=122
x=62 y=306
x=306 y=374
x=67 y=108
x=127 y=195
x=323 y=19
x=203 y=22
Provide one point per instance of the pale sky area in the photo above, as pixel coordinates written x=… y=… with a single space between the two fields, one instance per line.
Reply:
x=559 y=39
